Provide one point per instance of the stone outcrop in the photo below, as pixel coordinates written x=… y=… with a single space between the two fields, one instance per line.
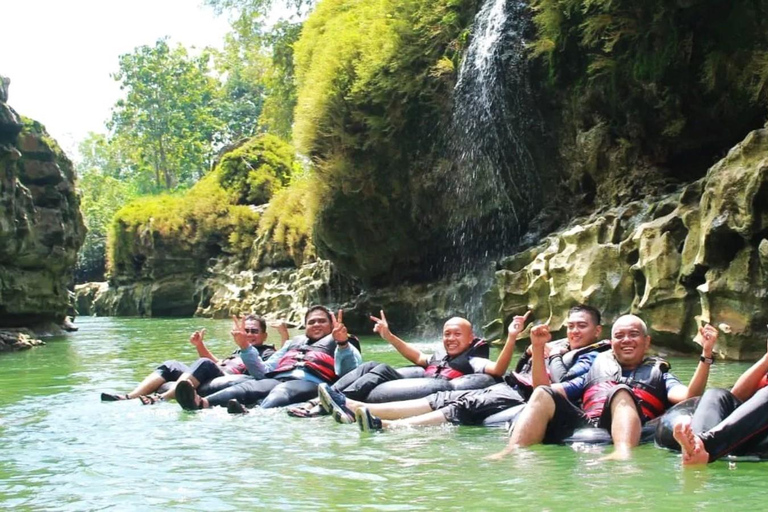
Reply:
x=12 y=340
x=41 y=228
x=700 y=254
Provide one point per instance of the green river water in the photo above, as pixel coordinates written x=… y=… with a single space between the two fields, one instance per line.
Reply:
x=62 y=449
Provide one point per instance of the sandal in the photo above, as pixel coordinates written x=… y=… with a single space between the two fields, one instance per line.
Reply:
x=113 y=397
x=151 y=399
x=306 y=410
x=187 y=397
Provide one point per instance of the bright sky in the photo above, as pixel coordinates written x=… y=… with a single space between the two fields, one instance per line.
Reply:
x=59 y=54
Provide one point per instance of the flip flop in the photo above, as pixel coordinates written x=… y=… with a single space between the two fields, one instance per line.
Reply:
x=113 y=397
x=151 y=399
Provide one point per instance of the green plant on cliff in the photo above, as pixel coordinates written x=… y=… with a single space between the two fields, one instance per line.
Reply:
x=667 y=76
x=373 y=88
x=205 y=221
x=257 y=169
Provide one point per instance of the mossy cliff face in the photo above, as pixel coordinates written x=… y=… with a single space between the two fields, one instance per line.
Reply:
x=698 y=254
x=41 y=228
x=219 y=249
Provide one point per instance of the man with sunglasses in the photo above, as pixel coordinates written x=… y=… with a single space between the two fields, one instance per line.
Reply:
x=622 y=390
x=248 y=331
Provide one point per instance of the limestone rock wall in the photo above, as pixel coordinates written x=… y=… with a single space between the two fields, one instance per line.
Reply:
x=700 y=254
x=41 y=228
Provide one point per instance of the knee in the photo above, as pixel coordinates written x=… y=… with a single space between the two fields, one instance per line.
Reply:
x=623 y=399
x=542 y=397
x=715 y=395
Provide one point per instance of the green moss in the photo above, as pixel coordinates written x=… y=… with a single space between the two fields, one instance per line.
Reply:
x=257 y=169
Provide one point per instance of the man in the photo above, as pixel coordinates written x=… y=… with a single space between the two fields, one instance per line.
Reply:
x=567 y=359
x=290 y=375
x=622 y=390
x=457 y=358
x=727 y=422
x=249 y=331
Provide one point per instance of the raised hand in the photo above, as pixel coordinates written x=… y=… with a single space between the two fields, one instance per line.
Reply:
x=518 y=324
x=540 y=336
x=382 y=326
x=238 y=332
x=339 y=331
x=197 y=337
x=281 y=327
x=708 y=338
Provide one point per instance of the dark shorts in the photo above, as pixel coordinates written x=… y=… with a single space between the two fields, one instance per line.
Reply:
x=471 y=407
x=170 y=371
x=568 y=417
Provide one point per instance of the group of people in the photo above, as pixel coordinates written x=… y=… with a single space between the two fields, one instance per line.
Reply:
x=557 y=387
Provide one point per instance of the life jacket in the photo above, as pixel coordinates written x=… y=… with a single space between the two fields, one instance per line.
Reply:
x=233 y=365
x=313 y=357
x=646 y=382
x=522 y=374
x=443 y=366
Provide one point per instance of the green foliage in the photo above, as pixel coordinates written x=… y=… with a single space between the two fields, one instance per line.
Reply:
x=663 y=73
x=287 y=221
x=279 y=81
x=374 y=82
x=167 y=120
x=204 y=221
x=257 y=169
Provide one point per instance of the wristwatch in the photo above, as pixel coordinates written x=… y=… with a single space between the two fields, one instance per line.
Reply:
x=708 y=360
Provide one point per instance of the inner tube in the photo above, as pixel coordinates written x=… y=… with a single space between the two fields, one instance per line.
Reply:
x=412 y=388
x=663 y=435
x=211 y=386
x=587 y=435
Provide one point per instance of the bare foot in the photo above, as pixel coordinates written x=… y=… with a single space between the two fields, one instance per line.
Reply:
x=619 y=453
x=690 y=444
x=500 y=455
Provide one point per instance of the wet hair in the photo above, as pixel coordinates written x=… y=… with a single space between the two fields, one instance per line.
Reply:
x=318 y=307
x=253 y=318
x=590 y=310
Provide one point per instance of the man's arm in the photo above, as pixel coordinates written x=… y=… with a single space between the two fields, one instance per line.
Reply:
x=252 y=360
x=498 y=367
x=540 y=335
x=749 y=381
x=346 y=358
x=407 y=350
x=197 y=340
x=701 y=375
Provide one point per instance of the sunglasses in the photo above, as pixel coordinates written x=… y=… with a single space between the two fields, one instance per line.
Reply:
x=252 y=331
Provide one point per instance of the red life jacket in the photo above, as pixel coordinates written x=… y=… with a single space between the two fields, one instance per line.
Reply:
x=442 y=366
x=646 y=382
x=313 y=357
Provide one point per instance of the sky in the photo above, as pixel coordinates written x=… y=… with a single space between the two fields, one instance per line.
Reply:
x=59 y=54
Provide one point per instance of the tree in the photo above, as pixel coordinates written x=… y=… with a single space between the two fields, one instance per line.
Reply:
x=167 y=121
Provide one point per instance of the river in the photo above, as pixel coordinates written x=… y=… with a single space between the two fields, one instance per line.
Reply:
x=62 y=449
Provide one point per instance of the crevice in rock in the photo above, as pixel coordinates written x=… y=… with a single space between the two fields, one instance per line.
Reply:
x=640 y=283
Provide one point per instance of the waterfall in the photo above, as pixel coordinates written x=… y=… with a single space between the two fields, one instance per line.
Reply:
x=495 y=187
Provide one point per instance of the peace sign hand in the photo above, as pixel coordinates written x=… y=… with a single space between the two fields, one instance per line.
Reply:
x=238 y=332
x=339 y=332
x=540 y=335
x=382 y=326
x=709 y=337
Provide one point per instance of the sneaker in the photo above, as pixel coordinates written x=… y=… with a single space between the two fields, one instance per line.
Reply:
x=112 y=397
x=367 y=421
x=335 y=403
x=235 y=407
x=187 y=397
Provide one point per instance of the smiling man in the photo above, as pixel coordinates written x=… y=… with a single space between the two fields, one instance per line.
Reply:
x=622 y=390
x=567 y=359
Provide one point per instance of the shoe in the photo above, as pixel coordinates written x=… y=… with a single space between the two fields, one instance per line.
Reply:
x=235 y=407
x=112 y=397
x=335 y=403
x=367 y=421
x=187 y=397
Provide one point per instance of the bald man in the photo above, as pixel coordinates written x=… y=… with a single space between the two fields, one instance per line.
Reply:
x=462 y=354
x=622 y=390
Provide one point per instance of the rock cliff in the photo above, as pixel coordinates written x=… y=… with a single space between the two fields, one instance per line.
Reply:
x=41 y=228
